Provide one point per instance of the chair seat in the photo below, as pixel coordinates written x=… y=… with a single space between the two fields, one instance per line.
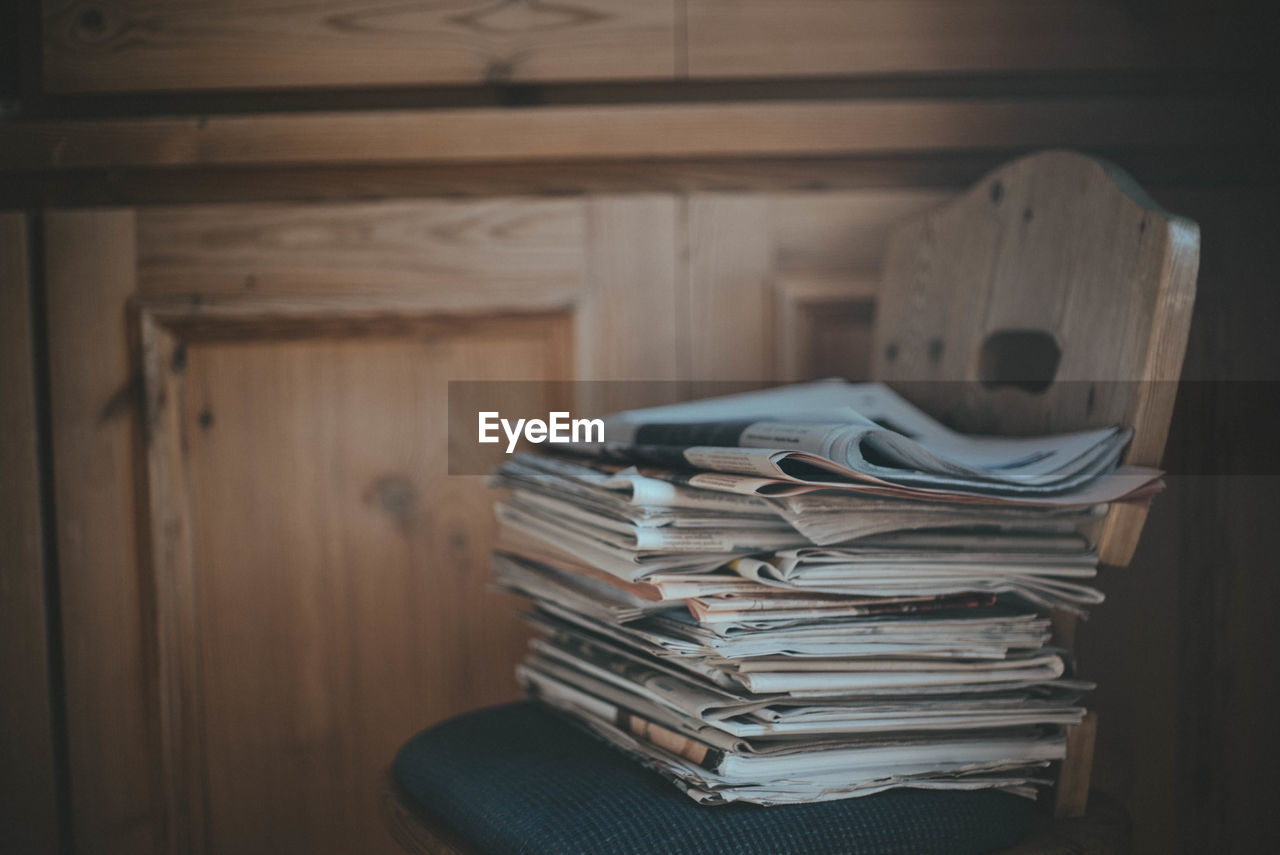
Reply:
x=519 y=779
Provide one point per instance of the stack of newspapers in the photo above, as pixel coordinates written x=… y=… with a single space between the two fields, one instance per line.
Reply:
x=812 y=592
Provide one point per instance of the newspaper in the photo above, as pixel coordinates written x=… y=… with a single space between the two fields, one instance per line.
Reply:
x=629 y=564
x=1043 y=569
x=668 y=630
x=865 y=435
x=858 y=600
x=786 y=609
x=608 y=495
x=867 y=752
x=826 y=518
x=1034 y=563
x=624 y=489
x=1124 y=484
x=993 y=692
x=684 y=760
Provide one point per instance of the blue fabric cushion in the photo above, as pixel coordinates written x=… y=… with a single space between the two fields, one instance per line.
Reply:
x=519 y=779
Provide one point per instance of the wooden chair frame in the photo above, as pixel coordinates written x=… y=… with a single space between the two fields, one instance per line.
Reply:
x=1064 y=251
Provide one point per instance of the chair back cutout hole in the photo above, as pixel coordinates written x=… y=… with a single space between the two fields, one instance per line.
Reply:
x=1025 y=359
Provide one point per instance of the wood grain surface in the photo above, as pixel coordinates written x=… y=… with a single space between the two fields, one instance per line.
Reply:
x=113 y=709
x=612 y=132
x=1061 y=245
x=341 y=587
x=132 y=45
x=138 y=46
x=478 y=252
x=782 y=285
x=760 y=38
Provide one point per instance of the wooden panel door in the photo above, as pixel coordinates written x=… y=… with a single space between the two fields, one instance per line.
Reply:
x=269 y=579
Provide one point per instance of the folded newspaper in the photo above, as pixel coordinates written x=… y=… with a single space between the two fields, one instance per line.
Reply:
x=810 y=593
x=865 y=437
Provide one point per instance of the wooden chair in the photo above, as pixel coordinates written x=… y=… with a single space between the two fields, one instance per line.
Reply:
x=1053 y=295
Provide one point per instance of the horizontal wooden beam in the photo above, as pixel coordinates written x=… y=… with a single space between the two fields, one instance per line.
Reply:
x=1153 y=166
x=590 y=133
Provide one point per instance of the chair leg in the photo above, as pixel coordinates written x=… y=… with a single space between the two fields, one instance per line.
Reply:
x=1072 y=794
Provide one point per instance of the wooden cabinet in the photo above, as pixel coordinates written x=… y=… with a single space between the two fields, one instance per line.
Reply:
x=272 y=579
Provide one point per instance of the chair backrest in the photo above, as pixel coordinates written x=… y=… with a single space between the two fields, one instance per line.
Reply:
x=1059 y=294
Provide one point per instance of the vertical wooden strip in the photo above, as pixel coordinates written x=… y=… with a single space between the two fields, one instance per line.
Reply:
x=626 y=326
x=1072 y=795
x=172 y=579
x=1153 y=410
x=729 y=302
x=112 y=741
x=28 y=798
